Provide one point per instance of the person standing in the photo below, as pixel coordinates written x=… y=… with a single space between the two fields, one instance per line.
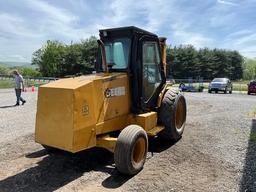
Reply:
x=19 y=86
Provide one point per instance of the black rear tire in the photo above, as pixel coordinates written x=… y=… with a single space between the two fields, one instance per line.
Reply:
x=172 y=114
x=131 y=150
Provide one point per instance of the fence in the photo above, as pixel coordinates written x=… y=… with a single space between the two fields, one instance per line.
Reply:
x=10 y=77
x=7 y=81
x=238 y=86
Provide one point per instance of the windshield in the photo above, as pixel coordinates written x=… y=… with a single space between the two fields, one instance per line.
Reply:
x=252 y=82
x=219 y=80
x=117 y=53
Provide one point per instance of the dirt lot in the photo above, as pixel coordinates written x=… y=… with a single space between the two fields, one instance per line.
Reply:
x=216 y=152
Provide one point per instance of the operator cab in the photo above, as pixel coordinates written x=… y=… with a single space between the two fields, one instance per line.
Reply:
x=136 y=52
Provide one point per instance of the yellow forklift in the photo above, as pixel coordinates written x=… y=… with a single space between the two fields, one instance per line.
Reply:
x=118 y=107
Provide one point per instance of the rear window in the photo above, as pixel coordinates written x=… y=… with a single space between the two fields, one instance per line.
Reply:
x=252 y=82
x=219 y=80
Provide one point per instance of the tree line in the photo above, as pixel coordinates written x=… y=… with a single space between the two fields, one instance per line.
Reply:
x=57 y=59
x=188 y=62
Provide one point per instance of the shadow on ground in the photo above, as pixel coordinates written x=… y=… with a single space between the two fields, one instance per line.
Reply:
x=248 y=182
x=57 y=169
x=115 y=180
x=7 y=106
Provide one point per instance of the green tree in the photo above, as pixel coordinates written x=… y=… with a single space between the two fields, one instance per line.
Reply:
x=3 y=70
x=249 y=69
x=49 y=58
x=59 y=60
x=186 y=61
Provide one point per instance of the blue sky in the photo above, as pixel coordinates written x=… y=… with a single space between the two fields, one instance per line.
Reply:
x=25 y=25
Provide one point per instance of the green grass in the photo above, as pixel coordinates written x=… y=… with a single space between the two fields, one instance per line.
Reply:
x=29 y=83
x=240 y=87
x=5 y=84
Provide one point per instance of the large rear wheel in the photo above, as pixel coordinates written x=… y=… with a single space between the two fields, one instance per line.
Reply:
x=172 y=115
x=131 y=150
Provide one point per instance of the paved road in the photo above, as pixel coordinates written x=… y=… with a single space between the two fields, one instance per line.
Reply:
x=216 y=152
x=18 y=121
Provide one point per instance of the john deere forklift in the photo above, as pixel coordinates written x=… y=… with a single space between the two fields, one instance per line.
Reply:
x=126 y=101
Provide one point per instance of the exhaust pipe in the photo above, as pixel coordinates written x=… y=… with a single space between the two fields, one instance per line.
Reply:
x=162 y=41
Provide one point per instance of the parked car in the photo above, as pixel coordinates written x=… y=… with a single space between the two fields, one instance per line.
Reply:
x=220 y=84
x=252 y=87
x=191 y=88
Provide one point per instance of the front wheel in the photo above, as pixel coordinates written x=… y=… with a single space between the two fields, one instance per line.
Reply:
x=172 y=114
x=131 y=150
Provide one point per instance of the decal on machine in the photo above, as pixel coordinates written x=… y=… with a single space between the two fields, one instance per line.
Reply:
x=85 y=108
x=114 y=92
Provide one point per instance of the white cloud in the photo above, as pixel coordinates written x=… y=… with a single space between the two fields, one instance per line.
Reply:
x=22 y=35
x=204 y=24
x=18 y=58
x=57 y=14
x=244 y=41
x=14 y=25
x=194 y=39
x=227 y=2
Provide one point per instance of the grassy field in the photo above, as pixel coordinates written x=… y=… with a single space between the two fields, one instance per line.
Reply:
x=5 y=84
x=237 y=86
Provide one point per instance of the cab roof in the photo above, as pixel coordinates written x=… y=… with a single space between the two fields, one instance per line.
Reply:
x=123 y=31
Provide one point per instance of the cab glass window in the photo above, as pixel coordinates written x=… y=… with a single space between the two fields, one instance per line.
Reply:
x=151 y=68
x=117 y=53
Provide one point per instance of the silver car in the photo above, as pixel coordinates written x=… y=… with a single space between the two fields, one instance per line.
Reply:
x=220 y=84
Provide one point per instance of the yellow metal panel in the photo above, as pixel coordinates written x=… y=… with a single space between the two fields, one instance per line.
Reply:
x=72 y=111
x=84 y=139
x=83 y=107
x=155 y=130
x=84 y=118
x=117 y=103
x=146 y=120
x=107 y=142
x=98 y=95
x=161 y=95
x=114 y=124
x=73 y=83
x=54 y=118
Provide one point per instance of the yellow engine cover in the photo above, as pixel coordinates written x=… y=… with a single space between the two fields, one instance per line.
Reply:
x=72 y=111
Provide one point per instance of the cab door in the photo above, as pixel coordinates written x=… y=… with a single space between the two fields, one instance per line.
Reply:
x=151 y=72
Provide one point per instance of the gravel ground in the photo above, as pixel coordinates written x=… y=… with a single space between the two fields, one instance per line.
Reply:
x=216 y=152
